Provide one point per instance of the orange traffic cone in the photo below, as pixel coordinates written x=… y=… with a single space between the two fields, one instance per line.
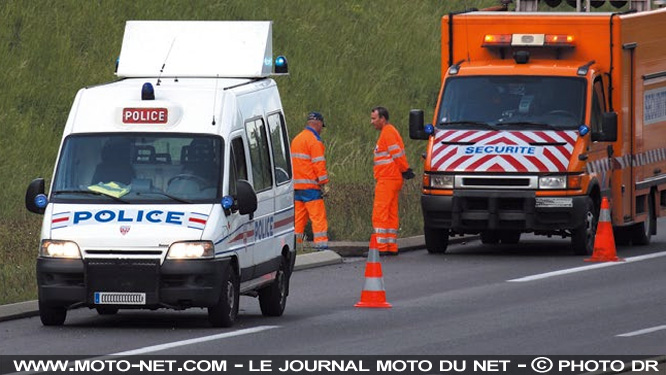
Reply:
x=604 y=242
x=373 y=294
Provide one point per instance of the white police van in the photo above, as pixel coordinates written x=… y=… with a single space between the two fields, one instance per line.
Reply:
x=173 y=185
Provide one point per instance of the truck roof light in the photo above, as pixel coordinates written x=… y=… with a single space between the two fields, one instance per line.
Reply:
x=147 y=91
x=455 y=68
x=583 y=69
x=559 y=40
x=496 y=40
x=527 y=40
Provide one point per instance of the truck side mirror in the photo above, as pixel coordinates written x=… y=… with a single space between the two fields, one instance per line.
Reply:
x=35 y=190
x=416 y=127
x=608 y=131
x=246 y=198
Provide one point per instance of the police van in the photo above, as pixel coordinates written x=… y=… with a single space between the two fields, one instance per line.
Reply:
x=173 y=185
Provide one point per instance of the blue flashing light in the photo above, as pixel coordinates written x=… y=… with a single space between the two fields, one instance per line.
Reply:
x=147 y=91
x=41 y=200
x=583 y=129
x=281 y=65
x=429 y=129
x=227 y=202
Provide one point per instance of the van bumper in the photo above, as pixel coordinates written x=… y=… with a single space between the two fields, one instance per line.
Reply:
x=476 y=211
x=173 y=284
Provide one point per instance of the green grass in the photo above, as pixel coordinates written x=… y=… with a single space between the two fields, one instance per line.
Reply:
x=345 y=57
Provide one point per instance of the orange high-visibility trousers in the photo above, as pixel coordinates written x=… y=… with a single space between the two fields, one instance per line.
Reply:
x=385 y=214
x=315 y=211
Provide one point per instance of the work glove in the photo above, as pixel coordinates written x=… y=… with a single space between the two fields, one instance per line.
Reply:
x=325 y=190
x=408 y=174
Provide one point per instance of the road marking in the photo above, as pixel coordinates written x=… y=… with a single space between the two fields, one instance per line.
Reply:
x=643 y=331
x=175 y=344
x=587 y=268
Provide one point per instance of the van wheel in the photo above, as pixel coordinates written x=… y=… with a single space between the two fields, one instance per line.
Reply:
x=273 y=298
x=52 y=315
x=582 y=238
x=224 y=313
x=436 y=240
x=490 y=237
x=642 y=232
x=106 y=310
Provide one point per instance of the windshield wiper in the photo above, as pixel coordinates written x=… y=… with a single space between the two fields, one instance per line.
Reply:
x=89 y=192
x=529 y=123
x=177 y=199
x=473 y=123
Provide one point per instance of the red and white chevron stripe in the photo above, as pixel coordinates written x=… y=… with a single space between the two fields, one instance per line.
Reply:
x=528 y=151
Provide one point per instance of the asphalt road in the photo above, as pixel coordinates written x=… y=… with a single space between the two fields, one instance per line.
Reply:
x=475 y=299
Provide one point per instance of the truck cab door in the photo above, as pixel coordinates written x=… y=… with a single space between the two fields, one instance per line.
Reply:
x=618 y=177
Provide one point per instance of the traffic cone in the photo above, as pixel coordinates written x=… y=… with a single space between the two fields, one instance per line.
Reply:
x=373 y=294
x=604 y=242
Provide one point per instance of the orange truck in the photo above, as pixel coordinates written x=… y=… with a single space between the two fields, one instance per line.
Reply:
x=539 y=116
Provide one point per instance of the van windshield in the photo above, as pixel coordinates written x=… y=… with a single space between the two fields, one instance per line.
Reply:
x=500 y=102
x=139 y=168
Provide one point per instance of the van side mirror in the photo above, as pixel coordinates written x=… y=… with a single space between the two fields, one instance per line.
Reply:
x=416 y=127
x=246 y=198
x=35 y=200
x=608 y=131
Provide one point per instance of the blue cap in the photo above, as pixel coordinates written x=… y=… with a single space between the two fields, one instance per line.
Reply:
x=316 y=116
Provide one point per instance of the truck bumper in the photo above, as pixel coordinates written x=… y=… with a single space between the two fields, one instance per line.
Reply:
x=173 y=284
x=476 y=211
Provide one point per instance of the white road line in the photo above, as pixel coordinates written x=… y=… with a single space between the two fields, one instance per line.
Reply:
x=175 y=344
x=642 y=331
x=587 y=268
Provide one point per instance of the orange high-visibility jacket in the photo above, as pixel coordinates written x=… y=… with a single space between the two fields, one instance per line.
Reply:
x=390 y=159
x=307 y=157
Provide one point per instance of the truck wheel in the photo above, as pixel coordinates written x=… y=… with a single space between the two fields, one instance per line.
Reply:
x=273 y=298
x=106 y=310
x=436 y=240
x=224 y=313
x=509 y=237
x=582 y=238
x=641 y=233
x=52 y=315
x=490 y=237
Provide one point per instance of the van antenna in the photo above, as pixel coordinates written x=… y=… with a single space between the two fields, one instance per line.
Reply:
x=159 y=77
x=217 y=79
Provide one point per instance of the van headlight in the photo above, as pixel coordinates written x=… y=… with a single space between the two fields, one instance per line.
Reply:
x=191 y=250
x=59 y=249
x=442 y=181
x=553 y=182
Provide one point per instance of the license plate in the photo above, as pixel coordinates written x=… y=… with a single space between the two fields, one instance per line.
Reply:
x=114 y=298
x=554 y=202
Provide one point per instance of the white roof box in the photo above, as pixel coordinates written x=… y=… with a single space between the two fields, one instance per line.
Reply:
x=196 y=49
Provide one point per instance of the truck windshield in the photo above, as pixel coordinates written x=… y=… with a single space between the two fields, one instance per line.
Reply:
x=517 y=101
x=139 y=168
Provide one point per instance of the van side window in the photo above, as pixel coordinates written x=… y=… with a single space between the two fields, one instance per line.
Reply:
x=597 y=106
x=279 y=143
x=238 y=165
x=259 y=154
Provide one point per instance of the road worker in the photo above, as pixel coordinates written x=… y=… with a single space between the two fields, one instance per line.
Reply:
x=310 y=179
x=390 y=167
